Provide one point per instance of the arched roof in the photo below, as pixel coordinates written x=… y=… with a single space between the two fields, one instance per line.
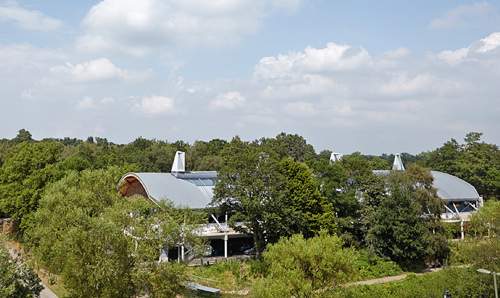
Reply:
x=190 y=189
x=448 y=187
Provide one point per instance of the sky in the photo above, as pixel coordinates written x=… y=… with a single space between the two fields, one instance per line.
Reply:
x=368 y=76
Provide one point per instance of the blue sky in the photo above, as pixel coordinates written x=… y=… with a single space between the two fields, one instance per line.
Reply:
x=370 y=76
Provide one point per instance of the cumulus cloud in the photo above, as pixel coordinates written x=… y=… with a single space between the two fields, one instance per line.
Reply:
x=345 y=86
x=476 y=51
x=300 y=109
x=464 y=14
x=89 y=103
x=228 y=101
x=27 y=19
x=137 y=27
x=155 y=105
x=101 y=69
x=333 y=57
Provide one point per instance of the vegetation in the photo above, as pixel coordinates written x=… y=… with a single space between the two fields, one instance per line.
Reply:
x=316 y=224
x=299 y=267
x=460 y=282
x=16 y=279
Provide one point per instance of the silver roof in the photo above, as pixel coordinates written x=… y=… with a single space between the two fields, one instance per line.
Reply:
x=448 y=187
x=191 y=189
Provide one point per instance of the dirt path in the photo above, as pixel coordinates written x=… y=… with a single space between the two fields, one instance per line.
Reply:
x=386 y=279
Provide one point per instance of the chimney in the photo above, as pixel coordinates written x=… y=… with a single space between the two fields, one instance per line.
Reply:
x=398 y=165
x=179 y=164
x=335 y=157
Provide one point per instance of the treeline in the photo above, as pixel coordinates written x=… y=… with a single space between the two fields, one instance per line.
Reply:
x=62 y=195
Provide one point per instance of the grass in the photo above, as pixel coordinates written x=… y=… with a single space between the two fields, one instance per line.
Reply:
x=460 y=282
x=229 y=276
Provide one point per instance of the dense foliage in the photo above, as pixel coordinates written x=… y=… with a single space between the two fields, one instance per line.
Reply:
x=474 y=161
x=61 y=194
x=460 y=282
x=16 y=279
x=275 y=198
x=299 y=267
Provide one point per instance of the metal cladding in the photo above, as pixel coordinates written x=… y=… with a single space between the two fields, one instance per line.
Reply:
x=398 y=165
x=189 y=189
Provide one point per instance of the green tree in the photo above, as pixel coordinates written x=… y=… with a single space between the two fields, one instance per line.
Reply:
x=23 y=136
x=97 y=262
x=23 y=176
x=299 y=267
x=486 y=221
x=69 y=203
x=16 y=279
x=273 y=198
x=397 y=230
x=474 y=161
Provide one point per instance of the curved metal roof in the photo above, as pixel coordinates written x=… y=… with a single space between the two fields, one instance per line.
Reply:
x=192 y=190
x=448 y=187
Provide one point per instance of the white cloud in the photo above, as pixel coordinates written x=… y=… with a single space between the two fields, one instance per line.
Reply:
x=333 y=57
x=27 y=19
x=453 y=57
x=464 y=14
x=156 y=105
x=89 y=103
x=489 y=43
x=475 y=51
x=137 y=27
x=101 y=69
x=300 y=109
x=397 y=53
x=228 y=101
x=402 y=85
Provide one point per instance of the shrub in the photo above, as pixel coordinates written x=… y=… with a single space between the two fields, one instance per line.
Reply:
x=369 y=265
x=460 y=282
x=304 y=267
x=16 y=279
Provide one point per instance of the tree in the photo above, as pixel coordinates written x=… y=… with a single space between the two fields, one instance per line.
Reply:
x=23 y=176
x=97 y=262
x=474 y=161
x=299 y=267
x=23 y=136
x=104 y=245
x=396 y=229
x=16 y=279
x=486 y=221
x=273 y=198
x=288 y=145
x=69 y=203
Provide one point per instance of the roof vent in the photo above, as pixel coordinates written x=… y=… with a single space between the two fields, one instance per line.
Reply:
x=398 y=165
x=335 y=157
x=179 y=164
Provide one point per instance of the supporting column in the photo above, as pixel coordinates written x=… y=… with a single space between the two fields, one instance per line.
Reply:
x=225 y=246
x=225 y=237
x=462 y=229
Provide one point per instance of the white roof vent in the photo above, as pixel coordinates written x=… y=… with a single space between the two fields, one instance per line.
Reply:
x=398 y=165
x=335 y=157
x=179 y=164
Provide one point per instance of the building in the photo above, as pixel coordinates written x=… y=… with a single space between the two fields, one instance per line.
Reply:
x=188 y=189
x=459 y=197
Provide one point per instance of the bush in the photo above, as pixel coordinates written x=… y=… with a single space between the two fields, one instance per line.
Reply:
x=16 y=279
x=461 y=282
x=370 y=266
x=304 y=267
x=228 y=275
